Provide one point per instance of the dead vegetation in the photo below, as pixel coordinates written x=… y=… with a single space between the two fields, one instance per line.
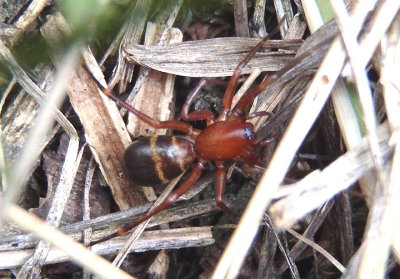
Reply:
x=327 y=204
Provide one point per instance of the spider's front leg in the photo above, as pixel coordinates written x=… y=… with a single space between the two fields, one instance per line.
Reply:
x=250 y=162
x=249 y=96
x=231 y=88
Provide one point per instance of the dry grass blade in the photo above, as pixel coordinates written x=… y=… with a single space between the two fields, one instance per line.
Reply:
x=313 y=226
x=131 y=32
x=294 y=272
x=6 y=93
x=297 y=28
x=68 y=174
x=348 y=120
x=31 y=13
x=377 y=240
x=156 y=94
x=162 y=239
x=17 y=124
x=259 y=18
x=390 y=50
x=78 y=252
x=320 y=186
x=210 y=58
x=349 y=36
x=155 y=240
x=284 y=9
x=32 y=266
x=3 y=173
x=139 y=229
x=22 y=170
x=105 y=225
x=86 y=206
x=241 y=18
x=376 y=244
x=319 y=249
x=346 y=115
x=381 y=232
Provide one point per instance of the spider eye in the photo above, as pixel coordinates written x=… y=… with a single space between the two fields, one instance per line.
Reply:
x=249 y=134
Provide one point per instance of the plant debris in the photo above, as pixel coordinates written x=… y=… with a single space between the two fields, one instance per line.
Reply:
x=327 y=204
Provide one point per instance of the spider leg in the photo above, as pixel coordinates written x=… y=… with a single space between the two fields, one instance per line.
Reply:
x=172 y=198
x=267 y=141
x=200 y=114
x=231 y=88
x=253 y=169
x=259 y=114
x=249 y=96
x=220 y=188
x=168 y=124
x=249 y=160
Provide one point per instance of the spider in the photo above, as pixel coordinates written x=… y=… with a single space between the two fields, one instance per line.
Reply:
x=228 y=137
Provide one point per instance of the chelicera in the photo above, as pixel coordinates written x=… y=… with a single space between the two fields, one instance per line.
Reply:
x=228 y=137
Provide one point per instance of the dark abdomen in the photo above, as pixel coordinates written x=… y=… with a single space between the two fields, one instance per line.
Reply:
x=156 y=160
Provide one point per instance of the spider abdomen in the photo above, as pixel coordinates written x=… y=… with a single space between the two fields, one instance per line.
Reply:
x=224 y=140
x=158 y=159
